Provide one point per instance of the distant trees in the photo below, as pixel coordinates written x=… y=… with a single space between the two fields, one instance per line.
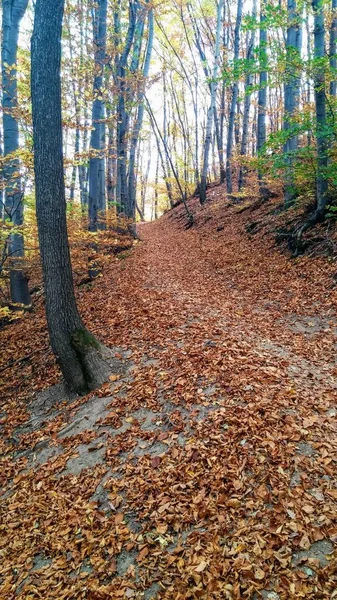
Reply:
x=110 y=46
x=77 y=351
x=157 y=104
x=212 y=104
x=261 y=94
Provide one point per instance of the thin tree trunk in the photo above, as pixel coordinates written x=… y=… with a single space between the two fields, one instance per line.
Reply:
x=2 y=201
x=156 y=190
x=111 y=183
x=122 y=114
x=320 y=103
x=222 y=103
x=139 y=120
x=262 y=97
x=333 y=49
x=210 y=112
x=235 y=89
x=163 y=166
x=291 y=96
x=249 y=81
x=97 y=161
x=12 y=13
x=175 y=174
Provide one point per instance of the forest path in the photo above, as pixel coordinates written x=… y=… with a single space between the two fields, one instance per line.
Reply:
x=207 y=467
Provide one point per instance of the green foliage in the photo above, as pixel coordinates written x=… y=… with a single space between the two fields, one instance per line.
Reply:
x=331 y=212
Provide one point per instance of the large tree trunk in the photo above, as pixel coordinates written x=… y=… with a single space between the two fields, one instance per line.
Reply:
x=77 y=351
x=12 y=13
x=97 y=161
x=291 y=95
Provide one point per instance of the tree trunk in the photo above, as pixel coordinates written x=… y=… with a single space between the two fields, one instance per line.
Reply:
x=210 y=112
x=2 y=203
x=111 y=160
x=157 y=132
x=167 y=181
x=222 y=101
x=291 y=96
x=333 y=49
x=235 y=90
x=77 y=351
x=320 y=103
x=262 y=97
x=97 y=161
x=12 y=13
x=139 y=121
x=156 y=190
x=122 y=113
x=249 y=81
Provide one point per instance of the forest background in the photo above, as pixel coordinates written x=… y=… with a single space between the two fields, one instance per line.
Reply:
x=158 y=101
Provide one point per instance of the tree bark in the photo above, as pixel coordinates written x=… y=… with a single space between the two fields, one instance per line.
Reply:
x=333 y=49
x=97 y=161
x=262 y=97
x=122 y=110
x=77 y=351
x=12 y=13
x=291 y=96
x=210 y=112
x=249 y=82
x=320 y=103
x=139 y=121
x=235 y=90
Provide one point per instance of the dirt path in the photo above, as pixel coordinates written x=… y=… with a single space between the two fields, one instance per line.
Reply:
x=207 y=467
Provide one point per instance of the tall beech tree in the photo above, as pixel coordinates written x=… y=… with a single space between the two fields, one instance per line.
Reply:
x=320 y=104
x=97 y=160
x=12 y=14
x=261 y=133
x=249 y=82
x=235 y=91
x=333 y=49
x=132 y=187
x=212 y=104
x=291 y=95
x=77 y=351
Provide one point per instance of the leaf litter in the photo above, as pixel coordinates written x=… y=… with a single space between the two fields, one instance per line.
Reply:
x=206 y=468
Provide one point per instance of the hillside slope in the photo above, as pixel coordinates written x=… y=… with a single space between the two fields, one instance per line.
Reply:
x=205 y=468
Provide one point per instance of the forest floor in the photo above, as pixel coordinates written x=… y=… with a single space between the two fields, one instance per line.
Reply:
x=206 y=467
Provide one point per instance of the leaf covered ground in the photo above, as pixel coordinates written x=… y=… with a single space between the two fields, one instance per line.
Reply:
x=206 y=467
